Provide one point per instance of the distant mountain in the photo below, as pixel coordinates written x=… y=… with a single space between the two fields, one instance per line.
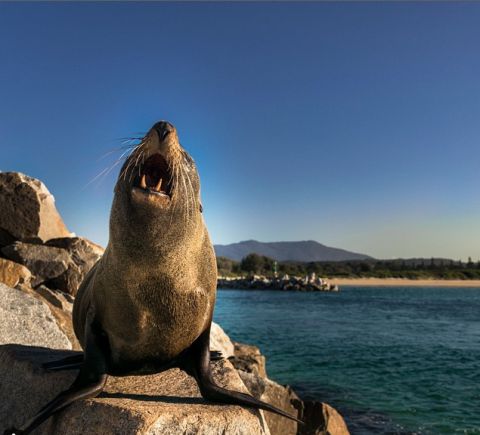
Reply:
x=287 y=251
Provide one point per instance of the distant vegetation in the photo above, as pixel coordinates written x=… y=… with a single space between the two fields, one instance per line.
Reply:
x=417 y=268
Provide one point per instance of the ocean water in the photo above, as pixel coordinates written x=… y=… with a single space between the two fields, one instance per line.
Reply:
x=391 y=360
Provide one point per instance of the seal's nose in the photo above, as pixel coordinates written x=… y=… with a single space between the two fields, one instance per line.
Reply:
x=163 y=128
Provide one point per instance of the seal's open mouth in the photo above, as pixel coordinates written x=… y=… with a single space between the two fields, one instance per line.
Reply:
x=154 y=177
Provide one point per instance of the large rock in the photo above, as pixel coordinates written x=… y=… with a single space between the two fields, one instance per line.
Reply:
x=62 y=315
x=27 y=320
x=168 y=403
x=277 y=395
x=12 y=273
x=57 y=298
x=220 y=342
x=82 y=251
x=321 y=419
x=249 y=359
x=5 y=238
x=60 y=263
x=45 y=262
x=28 y=209
x=83 y=255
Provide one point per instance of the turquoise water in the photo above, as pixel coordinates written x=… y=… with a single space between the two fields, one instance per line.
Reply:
x=392 y=360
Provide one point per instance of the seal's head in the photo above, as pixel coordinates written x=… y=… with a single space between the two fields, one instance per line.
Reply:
x=159 y=172
x=157 y=193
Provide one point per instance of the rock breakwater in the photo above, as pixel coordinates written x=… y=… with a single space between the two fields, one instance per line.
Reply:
x=41 y=266
x=286 y=283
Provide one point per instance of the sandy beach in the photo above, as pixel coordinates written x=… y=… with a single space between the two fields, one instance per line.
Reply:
x=388 y=282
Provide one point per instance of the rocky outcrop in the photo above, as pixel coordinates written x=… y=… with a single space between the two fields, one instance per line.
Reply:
x=60 y=264
x=46 y=267
x=249 y=359
x=220 y=342
x=44 y=262
x=12 y=273
x=83 y=255
x=33 y=235
x=5 y=238
x=165 y=403
x=320 y=418
x=282 y=397
x=286 y=283
x=28 y=209
x=27 y=320
x=57 y=298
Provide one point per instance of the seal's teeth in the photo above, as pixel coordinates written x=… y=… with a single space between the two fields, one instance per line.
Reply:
x=159 y=185
x=143 y=183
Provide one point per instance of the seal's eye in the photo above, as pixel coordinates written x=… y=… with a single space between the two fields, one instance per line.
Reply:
x=155 y=176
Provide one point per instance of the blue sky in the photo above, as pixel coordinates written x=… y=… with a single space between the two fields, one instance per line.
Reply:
x=354 y=124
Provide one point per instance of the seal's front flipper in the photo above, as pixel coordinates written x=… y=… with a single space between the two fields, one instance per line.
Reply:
x=216 y=355
x=200 y=355
x=89 y=383
x=68 y=363
x=213 y=392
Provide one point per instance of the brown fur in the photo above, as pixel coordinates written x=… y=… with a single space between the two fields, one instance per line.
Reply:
x=153 y=291
x=147 y=304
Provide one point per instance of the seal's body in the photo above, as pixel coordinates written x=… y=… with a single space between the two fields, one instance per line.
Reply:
x=159 y=268
x=147 y=305
x=151 y=311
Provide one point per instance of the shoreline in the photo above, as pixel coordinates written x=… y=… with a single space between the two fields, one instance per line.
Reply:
x=398 y=282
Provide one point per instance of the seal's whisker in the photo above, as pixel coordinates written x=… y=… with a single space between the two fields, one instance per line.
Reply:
x=187 y=194
x=97 y=176
x=102 y=174
x=116 y=149
x=125 y=150
x=143 y=154
x=173 y=180
x=105 y=171
x=140 y=152
x=173 y=170
x=176 y=172
x=186 y=216
x=131 y=158
x=192 y=192
x=137 y=160
x=125 y=169
x=192 y=195
x=129 y=139
x=177 y=182
x=121 y=155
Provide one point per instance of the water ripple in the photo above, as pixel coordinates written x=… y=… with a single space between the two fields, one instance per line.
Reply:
x=392 y=360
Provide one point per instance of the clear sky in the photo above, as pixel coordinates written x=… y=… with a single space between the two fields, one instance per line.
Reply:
x=353 y=124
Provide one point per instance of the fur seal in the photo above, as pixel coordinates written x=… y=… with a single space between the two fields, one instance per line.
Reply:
x=147 y=304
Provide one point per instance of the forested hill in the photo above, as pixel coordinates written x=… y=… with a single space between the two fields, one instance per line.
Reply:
x=304 y=251
x=412 y=268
